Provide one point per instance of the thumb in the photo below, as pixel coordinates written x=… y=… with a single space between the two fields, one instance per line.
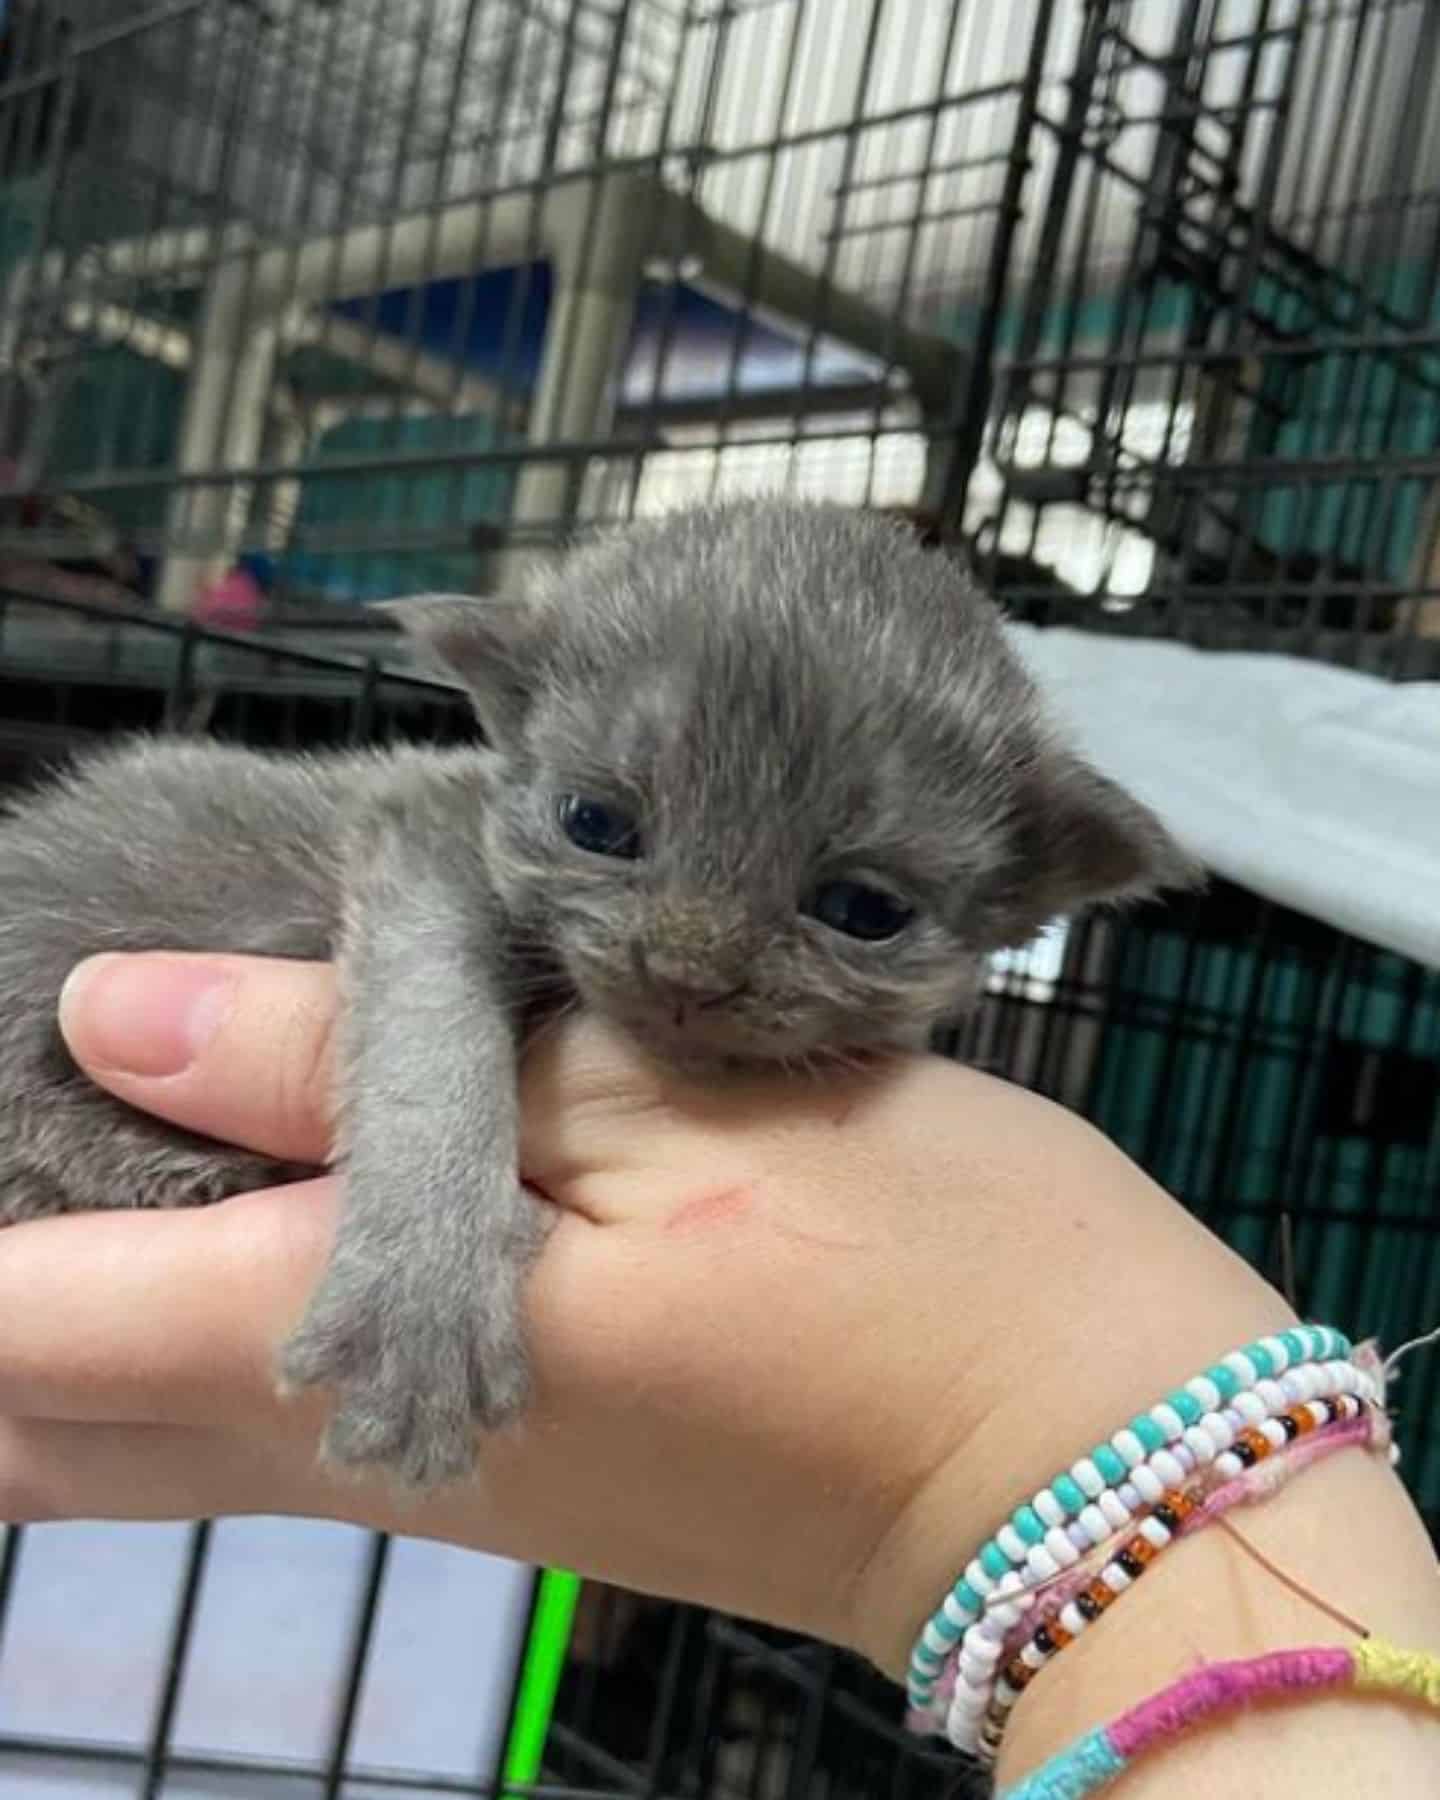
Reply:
x=234 y=1047
x=242 y=1049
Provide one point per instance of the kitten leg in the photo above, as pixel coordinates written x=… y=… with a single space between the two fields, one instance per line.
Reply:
x=417 y=1322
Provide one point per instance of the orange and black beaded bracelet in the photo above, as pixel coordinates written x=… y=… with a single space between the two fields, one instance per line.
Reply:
x=1330 y=1424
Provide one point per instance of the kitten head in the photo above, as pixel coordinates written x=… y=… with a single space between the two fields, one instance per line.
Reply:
x=774 y=784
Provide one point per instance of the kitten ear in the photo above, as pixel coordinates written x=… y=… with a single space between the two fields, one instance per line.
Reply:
x=1088 y=841
x=490 y=645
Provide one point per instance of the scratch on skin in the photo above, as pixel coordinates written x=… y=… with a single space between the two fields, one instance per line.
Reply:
x=728 y=1205
x=724 y=1204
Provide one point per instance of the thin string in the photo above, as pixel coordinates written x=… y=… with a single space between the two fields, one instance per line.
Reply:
x=1418 y=1343
x=1255 y=1484
x=1295 y=1586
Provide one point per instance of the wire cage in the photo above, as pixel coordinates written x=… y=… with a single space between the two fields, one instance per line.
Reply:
x=305 y=303
x=1222 y=378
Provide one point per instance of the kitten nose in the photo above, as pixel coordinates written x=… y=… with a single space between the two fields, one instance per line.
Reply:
x=679 y=987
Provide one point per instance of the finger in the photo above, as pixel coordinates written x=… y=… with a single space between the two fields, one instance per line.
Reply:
x=175 y=1318
x=237 y=1048
x=159 y=1317
x=57 y=1469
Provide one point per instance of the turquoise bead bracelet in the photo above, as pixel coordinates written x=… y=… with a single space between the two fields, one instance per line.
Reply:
x=1106 y=1466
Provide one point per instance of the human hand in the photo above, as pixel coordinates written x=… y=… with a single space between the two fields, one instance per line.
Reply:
x=797 y=1345
x=755 y=1325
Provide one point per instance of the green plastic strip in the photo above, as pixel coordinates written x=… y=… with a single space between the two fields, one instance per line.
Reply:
x=545 y=1653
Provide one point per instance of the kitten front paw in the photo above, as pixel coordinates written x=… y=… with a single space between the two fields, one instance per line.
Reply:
x=409 y=1394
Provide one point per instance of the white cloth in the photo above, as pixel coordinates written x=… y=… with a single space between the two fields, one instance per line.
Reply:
x=1315 y=786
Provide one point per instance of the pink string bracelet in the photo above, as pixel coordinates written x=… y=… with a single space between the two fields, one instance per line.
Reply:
x=1255 y=1484
x=1242 y=1486
x=1370 y=1428
x=1093 y=1761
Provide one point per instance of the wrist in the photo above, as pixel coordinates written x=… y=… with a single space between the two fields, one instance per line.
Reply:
x=1211 y=1600
x=1041 y=1373
x=1067 y=1399
x=1208 y=1600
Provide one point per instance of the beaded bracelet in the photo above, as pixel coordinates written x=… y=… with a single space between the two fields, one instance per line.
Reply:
x=1088 y=1503
x=1040 y=1537
x=981 y=1699
x=977 y=1653
x=1266 y=1476
x=1367 y=1425
x=1093 y=1761
x=1324 y=1425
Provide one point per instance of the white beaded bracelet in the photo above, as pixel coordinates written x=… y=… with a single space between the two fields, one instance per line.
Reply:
x=1105 y=1518
x=1306 y=1431
x=1099 y=1496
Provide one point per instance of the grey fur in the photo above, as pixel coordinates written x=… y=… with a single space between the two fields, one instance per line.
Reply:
x=781 y=693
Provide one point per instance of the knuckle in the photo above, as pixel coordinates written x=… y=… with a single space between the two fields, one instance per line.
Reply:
x=305 y=1077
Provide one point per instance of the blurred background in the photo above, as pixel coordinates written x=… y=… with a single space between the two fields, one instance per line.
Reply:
x=1134 y=309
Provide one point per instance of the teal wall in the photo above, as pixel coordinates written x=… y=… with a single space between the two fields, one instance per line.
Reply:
x=121 y=411
x=400 y=503
x=1355 y=404
x=1212 y=1073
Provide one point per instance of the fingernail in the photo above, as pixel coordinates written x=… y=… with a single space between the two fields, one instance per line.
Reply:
x=145 y=1014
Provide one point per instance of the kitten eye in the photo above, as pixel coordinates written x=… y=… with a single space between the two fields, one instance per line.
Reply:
x=860 y=911
x=599 y=827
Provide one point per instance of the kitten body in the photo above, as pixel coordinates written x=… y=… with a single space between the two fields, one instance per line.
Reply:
x=763 y=782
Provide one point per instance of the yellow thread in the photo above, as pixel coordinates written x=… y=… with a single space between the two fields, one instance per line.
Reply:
x=1412 y=1672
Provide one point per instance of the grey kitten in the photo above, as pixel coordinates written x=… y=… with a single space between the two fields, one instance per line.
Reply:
x=763 y=782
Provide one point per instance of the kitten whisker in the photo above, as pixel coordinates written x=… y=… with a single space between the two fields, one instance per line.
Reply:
x=551 y=1022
